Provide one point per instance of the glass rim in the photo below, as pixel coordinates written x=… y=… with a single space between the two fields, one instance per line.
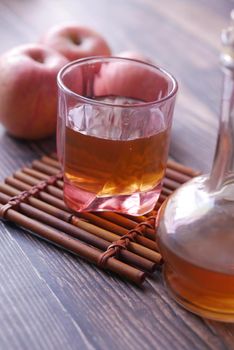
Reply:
x=99 y=59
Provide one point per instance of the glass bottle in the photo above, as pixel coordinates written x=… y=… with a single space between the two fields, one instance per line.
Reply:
x=196 y=224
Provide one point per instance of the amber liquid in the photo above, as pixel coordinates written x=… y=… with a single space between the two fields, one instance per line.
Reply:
x=112 y=167
x=198 y=253
x=206 y=292
x=99 y=169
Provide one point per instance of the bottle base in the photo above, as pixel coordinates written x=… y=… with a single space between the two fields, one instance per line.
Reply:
x=180 y=293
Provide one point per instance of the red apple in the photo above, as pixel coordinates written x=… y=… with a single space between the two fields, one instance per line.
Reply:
x=74 y=42
x=134 y=55
x=28 y=90
x=131 y=79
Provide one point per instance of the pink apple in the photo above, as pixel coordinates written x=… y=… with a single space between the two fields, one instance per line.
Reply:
x=74 y=42
x=134 y=55
x=131 y=79
x=28 y=90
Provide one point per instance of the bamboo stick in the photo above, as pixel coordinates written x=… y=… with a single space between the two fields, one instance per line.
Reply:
x=39 y=175
x=73 y=245
x=50 y=161
x=182 y=169
x=123 y=221
x=45 y=168
x=66 y=215
x=10 y=180
x=170 y=184
x=20 y=176
x=177 y=176
x=75 y=231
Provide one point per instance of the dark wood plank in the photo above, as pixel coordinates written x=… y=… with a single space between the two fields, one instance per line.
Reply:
x=32 y=317
x=48 y=298
x=111 y=311
x=225 y=331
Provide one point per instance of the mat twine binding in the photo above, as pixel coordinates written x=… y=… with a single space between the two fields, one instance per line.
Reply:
x=16 y=200
x=113 y=250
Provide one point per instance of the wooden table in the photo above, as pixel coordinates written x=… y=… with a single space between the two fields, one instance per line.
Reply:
x=48 y=298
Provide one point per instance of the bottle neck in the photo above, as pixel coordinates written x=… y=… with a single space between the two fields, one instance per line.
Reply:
x=223 y=165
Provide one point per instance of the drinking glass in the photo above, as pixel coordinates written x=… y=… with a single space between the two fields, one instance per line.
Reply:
x=114 y=122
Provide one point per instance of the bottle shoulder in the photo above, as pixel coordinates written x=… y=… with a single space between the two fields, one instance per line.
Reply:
x=198 y=225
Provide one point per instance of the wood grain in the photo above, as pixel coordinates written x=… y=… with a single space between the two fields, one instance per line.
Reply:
x=51 y=300
x=29 y=307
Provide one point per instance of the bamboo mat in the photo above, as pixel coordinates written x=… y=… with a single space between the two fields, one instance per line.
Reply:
x=32 y=198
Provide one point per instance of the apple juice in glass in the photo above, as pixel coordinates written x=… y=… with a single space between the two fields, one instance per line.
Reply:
x=114 y=122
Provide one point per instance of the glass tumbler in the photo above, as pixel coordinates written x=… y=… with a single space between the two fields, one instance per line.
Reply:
x=113 y=131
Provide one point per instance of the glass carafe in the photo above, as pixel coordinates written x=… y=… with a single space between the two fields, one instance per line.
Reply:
x=195 y=229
